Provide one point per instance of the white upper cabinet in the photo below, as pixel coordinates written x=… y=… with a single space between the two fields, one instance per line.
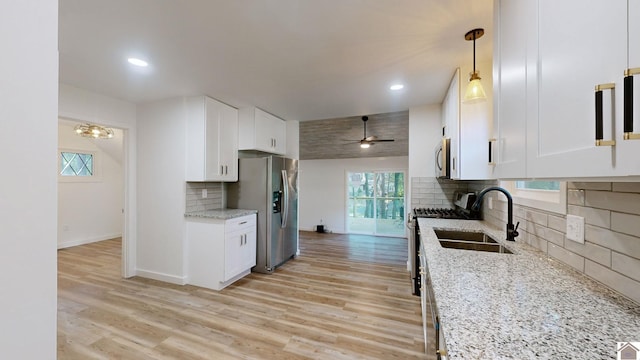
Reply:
x=262 y=131
x=554 y=66
x=469 y=127
x=632 y=147
x=511 y=53
x=577 y=52
x=212 y=140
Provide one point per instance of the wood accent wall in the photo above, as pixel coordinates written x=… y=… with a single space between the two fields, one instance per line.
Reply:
x=338 y=138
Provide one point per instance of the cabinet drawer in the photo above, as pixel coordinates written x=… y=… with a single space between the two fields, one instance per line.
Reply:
x=239 y=223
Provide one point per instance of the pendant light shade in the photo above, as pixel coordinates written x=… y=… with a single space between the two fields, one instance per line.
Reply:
x=475 y=92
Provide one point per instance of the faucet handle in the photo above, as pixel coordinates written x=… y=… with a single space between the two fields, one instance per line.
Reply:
x=515 y=230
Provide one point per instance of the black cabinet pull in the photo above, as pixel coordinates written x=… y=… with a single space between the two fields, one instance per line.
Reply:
x=628 y=104
x=599 y=115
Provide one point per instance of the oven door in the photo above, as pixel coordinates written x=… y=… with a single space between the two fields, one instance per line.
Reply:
x=443 y=159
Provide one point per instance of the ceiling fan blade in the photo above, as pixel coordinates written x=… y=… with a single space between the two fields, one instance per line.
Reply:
x=383 y=140
x=370 y=138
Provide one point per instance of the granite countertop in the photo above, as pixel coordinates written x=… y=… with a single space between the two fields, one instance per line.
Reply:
x=523 y=305
x=220 y=214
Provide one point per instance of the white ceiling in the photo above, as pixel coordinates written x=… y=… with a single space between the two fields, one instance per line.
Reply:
x=298 y=59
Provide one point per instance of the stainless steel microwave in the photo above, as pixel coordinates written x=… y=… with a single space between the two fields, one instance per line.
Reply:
x=443 y=159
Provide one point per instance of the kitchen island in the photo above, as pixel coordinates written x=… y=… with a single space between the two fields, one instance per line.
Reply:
x=522 y=305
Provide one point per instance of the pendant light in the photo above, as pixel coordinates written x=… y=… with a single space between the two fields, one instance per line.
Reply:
x=475 y=92
x=94 y=131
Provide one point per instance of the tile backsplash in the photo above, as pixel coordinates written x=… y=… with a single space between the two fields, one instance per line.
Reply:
x=611 y=252
x=215 y=196
x=431 y=192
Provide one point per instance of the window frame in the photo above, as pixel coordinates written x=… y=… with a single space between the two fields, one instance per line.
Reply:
x=549 y=200
x=97 y=168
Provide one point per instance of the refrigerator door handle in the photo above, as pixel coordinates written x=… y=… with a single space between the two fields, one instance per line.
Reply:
x=285 y=199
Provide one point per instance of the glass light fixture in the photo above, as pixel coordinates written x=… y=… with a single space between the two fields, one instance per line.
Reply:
x=475 y=91
x=364 y=145
x=94 y=131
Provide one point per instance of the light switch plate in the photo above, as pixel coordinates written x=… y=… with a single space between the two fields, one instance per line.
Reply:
x=204 y=193
x=575 y=228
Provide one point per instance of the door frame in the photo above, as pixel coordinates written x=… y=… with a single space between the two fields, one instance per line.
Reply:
x=128 y=260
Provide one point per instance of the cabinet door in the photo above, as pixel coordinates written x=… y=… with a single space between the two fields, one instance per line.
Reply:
x=221 y=141
x=451 y=110
x=629 y=148
x=248 y=250
x=514 y=25
x=228 y=143
x=233 y=248
x=213 y=169
x=270 y=133
x=577 y=51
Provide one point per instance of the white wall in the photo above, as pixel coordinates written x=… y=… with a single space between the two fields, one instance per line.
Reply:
x=323 y=193
x=90 y=211
x=293 y=139
x=86 y=106
x=28 y=143
x=162 y=152
x=425 y=132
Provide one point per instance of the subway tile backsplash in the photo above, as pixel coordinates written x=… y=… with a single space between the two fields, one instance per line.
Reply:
x=215 y=196
x=611 y=252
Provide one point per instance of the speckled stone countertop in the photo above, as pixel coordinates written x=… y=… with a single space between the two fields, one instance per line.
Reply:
x=523 y=305
x=220 y=214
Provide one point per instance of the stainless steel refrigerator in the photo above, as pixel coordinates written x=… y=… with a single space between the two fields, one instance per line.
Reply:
x=270 y=185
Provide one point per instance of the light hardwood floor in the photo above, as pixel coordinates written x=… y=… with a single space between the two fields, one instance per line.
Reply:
x=344 y=297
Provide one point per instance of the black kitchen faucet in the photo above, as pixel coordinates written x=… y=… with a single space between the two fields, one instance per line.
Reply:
x=512 y=231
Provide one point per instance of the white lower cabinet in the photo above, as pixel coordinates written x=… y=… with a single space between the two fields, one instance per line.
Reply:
x=429 y=308
x=220 y=251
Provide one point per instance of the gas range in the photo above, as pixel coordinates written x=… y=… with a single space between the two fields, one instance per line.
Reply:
x=463 y=203
x=443 y=213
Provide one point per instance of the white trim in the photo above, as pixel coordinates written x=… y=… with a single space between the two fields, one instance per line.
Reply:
x=172 y=279
x=71 y=243
x=553 y=201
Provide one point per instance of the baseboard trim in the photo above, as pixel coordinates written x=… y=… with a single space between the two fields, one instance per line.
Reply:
x=172 y=279
x=71 y=243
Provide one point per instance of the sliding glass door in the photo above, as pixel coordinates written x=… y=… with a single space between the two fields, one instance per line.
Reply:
x=375 y=203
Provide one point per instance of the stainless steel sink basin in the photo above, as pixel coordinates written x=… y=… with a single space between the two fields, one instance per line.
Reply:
x=476 y=246
x=464 y=236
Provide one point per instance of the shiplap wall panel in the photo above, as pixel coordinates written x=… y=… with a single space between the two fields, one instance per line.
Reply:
x=338 y=138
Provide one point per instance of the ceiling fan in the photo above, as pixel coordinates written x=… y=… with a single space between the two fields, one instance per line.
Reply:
x=365 y=142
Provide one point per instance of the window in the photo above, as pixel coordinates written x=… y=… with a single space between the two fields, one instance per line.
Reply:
x=545 y=195
x=76 y=164
x=79 y=166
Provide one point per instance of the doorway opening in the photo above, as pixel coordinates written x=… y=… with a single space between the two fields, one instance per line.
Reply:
x=376 y=203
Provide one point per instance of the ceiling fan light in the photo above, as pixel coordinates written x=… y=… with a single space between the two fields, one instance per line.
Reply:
x=365 y=145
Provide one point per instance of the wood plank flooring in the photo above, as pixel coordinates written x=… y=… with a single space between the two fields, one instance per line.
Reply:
x=344 y=297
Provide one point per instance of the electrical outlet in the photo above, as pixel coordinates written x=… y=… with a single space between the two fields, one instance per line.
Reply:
x=490 y=203
x=204 y=193
x=65 y=227
x=575 y=228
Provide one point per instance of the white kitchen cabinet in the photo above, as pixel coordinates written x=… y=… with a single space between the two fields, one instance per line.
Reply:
x=575 y=54
x=468 y=126
x=262 y=131
x=512 y=52
x=220 y=251
x=212 y=140
x=548 y=63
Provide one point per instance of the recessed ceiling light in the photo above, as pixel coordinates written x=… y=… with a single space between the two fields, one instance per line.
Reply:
x=396 y=87
x=137 y=62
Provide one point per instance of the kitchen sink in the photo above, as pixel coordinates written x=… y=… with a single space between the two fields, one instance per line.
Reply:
x=476 y=246
x=474 y=236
